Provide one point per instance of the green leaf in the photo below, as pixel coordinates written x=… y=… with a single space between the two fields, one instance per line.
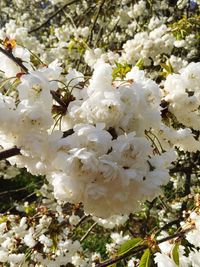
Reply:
x=140 y=64
x=164 y=66
x=145 y=259
x=175 y=253
x=120 y=70
x=128 y=245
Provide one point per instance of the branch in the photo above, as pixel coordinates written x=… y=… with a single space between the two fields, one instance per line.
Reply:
x=13 y=191
x=166 y=226
x=52 y=16
x=89 y=39
x=21 y=65
x=140 y=248
x=57 y=99
x=9 y=153
x=121 y=257
x=14 y=59
x=67 y=133
x=85 y=217
x=88 y=231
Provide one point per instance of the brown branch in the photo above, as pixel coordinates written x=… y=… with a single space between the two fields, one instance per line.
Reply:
x=67 y=133
x=9 y=153
x=83 y=218
x=56 y=97
x=14 y=59
x=52 y=16
x=141 y=247
x=89 y=39
x=121 y=257
x=169 y=224
x=179 y=234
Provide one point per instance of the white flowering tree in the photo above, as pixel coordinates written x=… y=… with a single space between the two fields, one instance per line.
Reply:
x=99 y=133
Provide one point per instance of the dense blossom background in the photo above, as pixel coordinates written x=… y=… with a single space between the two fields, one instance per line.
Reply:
x=99 y=133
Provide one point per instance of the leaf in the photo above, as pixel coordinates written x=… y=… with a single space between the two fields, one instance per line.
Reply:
x=168 y=69
x=128 y=245
x=120 y=70
x=145 y=259
x=113 y=265
x=175 y=253
x=140 y=64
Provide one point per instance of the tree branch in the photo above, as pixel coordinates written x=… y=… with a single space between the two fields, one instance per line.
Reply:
x=88 y=231
x=9 y=153
x=14 y=59
x=51 y=17
x=140 y=248
x=89 y=39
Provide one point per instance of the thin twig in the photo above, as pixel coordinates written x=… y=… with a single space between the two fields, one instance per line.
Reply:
x=52 y=16
x=13 y=191
x=83 y=218
x=57 y=99
x=95 y=21
x=166 y=226
x=88 y=231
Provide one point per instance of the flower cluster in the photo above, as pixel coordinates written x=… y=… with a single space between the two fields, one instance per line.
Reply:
x=107 y=157
x=148 y=46
x=41 y=240
x=182 y=90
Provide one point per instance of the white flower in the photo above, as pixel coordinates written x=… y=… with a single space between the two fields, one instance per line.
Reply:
x=16 y=258
x=112 y=222
x=9 y=67
x=163 y=260
x=74 y=77
x=74 y=219
x=148 y=45
x=3 y=256
x=29 y=240
x=183 y=95
x=102 y=78
x=194 y=257
x=193 y=236
x=45 y=240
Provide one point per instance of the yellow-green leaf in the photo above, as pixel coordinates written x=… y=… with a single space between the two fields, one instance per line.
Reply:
x=120 y=70
x=113 y=265
x=140 y=64
x=128 y=245
x=145 y=259
x=175 y=253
